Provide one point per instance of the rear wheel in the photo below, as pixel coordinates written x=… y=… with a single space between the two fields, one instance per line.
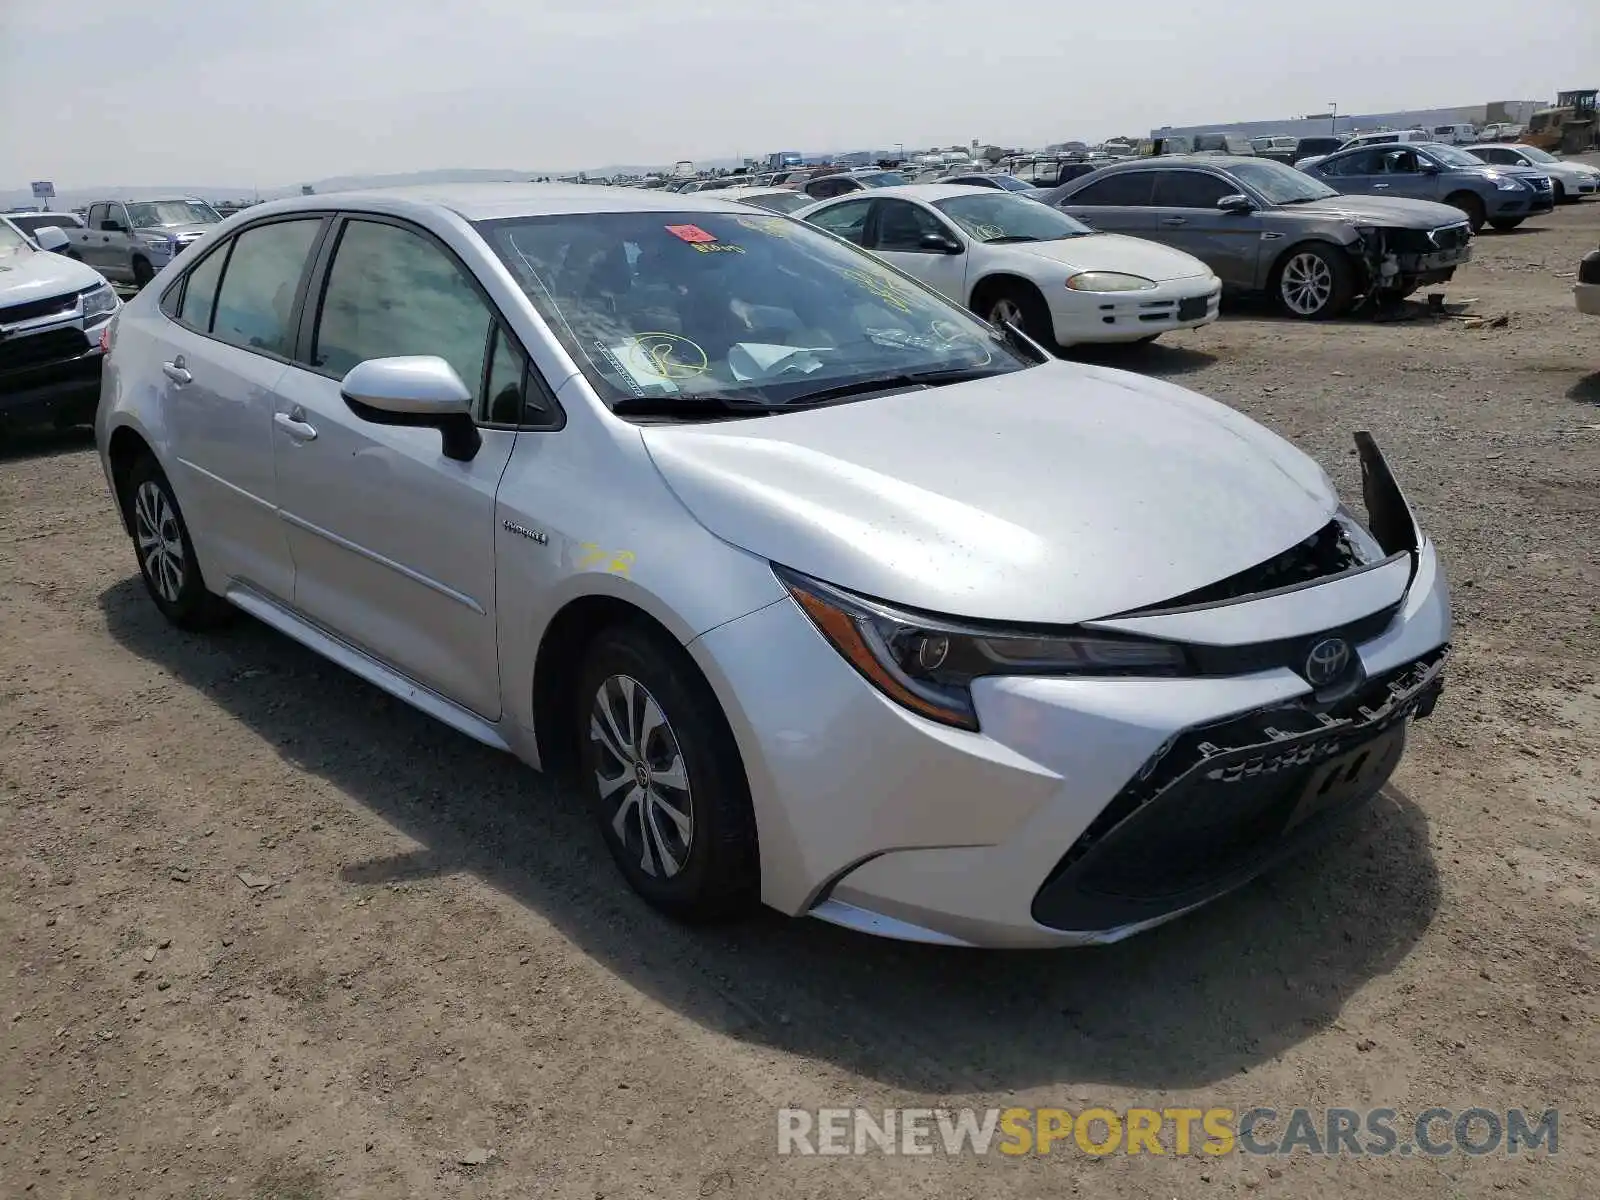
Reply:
x=1506 y=224
x=1472 y=206
x=664 y=777
x=143 y=272
x=167 y=561
x=1315 y=282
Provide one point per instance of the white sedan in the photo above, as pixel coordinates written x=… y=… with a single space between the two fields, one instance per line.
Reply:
x=1012 y=260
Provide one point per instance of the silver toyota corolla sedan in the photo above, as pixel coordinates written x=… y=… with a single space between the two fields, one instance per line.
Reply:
x=830 y=595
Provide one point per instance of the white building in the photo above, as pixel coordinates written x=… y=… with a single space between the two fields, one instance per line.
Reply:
x=1344 y=124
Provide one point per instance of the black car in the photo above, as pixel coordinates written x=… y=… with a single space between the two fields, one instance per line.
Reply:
x=1266 y=227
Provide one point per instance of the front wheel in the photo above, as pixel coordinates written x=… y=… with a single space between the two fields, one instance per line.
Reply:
x=143 y=272
x=1020 y=305
x=1315 y=282
x=167 y=561
x=664 y=777
x=1506 y=224
x=1560 y=191
x=1472 y=206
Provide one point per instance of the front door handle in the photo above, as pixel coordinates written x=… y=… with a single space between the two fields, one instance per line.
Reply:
x=1175 y=221
x=300 y=431
x=1378 y=187
x=176 y=371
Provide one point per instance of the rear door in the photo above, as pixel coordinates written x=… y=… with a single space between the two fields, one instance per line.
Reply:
x=96 y=244
x=1185 y=208
x=393 y=543
x=228 y=341
x=1352 y=172
x=1117 y=203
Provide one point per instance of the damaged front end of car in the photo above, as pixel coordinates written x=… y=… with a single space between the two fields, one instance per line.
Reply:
x=1395 y=261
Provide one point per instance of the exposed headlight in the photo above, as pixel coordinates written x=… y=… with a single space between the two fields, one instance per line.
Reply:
x=1366 y=547
x=1109 y=281
x=927 y=664
x=99 y=301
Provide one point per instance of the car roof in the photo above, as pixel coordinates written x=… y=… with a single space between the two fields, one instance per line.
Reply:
x=491 y=201
x=1174 y=160
x=926 y=192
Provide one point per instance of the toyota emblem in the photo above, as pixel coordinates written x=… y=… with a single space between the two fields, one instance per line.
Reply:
x=1327 y=661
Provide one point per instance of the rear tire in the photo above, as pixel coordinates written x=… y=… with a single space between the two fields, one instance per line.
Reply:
x=1470 y=204
x=165 y=551
x=143 y=272
x=1314 y=282
x=664 y=777
x=1507 y=224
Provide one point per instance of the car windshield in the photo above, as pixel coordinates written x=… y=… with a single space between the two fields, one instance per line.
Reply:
x=1001 y=217
x=882 y=179
x=1534 y=154
x=158 y=213
x=716 y=310
x=12 y=242
x=1279 y=183
x=784 y=202
x=1010 y=183
x=1451 y=157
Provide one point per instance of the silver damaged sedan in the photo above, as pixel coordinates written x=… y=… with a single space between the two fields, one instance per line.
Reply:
x=828 y=594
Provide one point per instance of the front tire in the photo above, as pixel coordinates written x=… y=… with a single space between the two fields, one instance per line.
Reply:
x=1315 y=283
x=1559 y=190
x=165 y=551
x=143 y=272
x=1021 y=305
x=1472 y=205
x=1507 y=224
x=664 y=777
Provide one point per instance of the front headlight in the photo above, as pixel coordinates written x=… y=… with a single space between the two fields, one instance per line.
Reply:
x=1109 y=281
x=1506 y=183
x=99 y=301
x=927 y=664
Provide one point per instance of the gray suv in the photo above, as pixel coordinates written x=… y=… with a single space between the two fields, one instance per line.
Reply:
x=1263 y=226
x=1500 y=196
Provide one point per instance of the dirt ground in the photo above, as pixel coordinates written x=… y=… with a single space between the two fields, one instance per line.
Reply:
x=268 y=933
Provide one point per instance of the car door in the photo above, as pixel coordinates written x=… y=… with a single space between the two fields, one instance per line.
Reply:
x=230 y=335
x=1352 y=172
x=120 y=242
x=393 y=543
x=847 y=219
x=1404 y=175
x=896 y=231
x=1185 y=208
x=1116 y=203
x=95 y=246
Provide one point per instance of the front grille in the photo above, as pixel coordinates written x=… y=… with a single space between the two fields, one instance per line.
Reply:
x=34 y=309
x=1220 y=803
x=36 y=349
x=1451 y=237
x=1540 y=183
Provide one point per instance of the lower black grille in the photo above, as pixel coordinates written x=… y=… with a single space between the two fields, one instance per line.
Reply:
x=1451 y=237
x=1193 y=308
x=1220 y=803
x=38 y=348
x=12 y=314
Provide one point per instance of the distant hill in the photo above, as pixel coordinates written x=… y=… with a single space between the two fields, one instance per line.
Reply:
x=22 y=197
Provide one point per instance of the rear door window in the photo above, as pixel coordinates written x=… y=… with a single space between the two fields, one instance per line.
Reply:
x=848 y=220
x=1128 y=189
x=200 y=291
x=256 y=300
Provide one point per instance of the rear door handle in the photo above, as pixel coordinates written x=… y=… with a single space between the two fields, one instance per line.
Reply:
x=300 y=431
x=1173 y=221
x=176 y=371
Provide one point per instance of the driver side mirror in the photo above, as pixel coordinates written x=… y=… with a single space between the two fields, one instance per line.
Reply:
x=1236 y=203
x=50 y=237
x=416 y=390
x=941 y=242
x=1428 y=168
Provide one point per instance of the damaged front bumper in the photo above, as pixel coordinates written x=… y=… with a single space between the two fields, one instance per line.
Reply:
x=1402 y=259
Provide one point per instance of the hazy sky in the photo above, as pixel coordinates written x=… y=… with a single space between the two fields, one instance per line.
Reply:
x=247 y=93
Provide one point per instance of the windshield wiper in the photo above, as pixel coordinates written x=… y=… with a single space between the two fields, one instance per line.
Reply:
x=705 y=405
x=884 y=383
x=1007 y=238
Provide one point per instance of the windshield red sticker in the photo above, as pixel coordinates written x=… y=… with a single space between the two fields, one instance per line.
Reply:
x=691 y=233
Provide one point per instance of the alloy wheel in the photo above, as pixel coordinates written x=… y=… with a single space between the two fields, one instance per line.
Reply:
x=1006 y=311
x=160 y=541
x=1307 y=284
x=640 y=771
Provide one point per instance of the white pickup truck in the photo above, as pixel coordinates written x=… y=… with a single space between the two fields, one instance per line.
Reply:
x=129 y=241
x=53 y=313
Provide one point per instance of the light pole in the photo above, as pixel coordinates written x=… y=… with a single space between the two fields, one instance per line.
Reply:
x=1333 y=123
